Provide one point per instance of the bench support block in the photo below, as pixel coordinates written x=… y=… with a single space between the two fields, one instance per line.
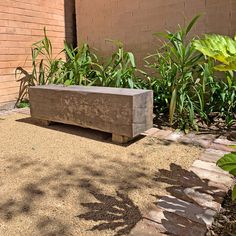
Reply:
x=43 y=122
x=120 y=139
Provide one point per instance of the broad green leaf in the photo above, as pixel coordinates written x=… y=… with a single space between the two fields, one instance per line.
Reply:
x=228 y=163
x=219 y=47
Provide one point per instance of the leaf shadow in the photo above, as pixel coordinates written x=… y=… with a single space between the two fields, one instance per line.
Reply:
x=113 y=213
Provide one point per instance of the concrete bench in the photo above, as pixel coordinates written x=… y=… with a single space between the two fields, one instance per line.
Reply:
x=123 y=112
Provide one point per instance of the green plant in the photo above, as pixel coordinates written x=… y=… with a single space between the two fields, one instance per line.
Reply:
x=177 y=68
x=223 y=50
x=120 y=70
x=23 y=104
x=228 y=163
x=78 y=68
x=219 y=47
x=45 y=67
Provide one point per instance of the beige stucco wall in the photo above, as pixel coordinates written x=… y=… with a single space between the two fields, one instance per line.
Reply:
x=135 y=21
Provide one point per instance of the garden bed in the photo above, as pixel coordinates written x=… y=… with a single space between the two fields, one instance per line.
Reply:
x=50 y=178
x=225 y=220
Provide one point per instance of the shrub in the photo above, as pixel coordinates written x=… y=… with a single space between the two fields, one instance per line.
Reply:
x=177 y=70
x=228 y=163
x=81 y=67
x=222 y=49
x=45 y=68
x=120 y=70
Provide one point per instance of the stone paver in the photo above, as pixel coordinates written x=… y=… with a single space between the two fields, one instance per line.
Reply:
x=146 y=228
x=224 y=141
x=210 y=167
x=198 y=196
x=160 y=222
x=188 y=210
x=218 y=180
x=151 y=132
x=162 y=134
x=174 y=136
x=222 y=147
x=210 y=157
x=202 y=140
x=203 y=199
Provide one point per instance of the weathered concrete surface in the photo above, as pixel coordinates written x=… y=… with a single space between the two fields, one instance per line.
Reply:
x=124 y=112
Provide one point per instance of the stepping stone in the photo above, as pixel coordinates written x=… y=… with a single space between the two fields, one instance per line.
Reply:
x=187 y=210
x=145 y=228
x=210 y=167
x=151 y=132
x=203 y=140
x=211 y=157
x=162 y=134
x=172 y=224
x=224 y=141
x=25 y=111
x=174 y=136
x=222 y=147
x=219 y=153
x=222 y=182
x=198 y=196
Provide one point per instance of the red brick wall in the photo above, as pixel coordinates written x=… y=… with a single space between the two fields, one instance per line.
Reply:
x=134 y=22
x=21 y=24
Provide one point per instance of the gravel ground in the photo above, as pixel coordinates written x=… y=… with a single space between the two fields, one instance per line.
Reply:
x=65 y=180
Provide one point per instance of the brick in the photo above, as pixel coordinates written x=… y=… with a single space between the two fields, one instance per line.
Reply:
x=150 y=132
x=209 y=166
x=187 y=210
x=200 y=195
x=216 y=152
x=224 y=141
x=203 y=140
x=175 y=136
x=169 y=223
x=209 y=157
x=215 y=179
x=221 y=147
x=162 y=134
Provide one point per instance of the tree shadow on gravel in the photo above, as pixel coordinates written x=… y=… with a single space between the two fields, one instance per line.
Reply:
x=119 y=213
x=182 y=211
x=184 y=183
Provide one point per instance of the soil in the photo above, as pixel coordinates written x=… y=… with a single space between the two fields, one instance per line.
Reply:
x=225 y=220
x=66 y=180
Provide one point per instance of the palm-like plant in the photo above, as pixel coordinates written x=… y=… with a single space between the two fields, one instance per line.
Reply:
x=219 y=47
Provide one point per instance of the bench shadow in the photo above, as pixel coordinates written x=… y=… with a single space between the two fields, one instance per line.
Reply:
x=80 y=131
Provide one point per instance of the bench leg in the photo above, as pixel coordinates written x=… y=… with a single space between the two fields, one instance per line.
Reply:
x=120 y=139
x=43 y=122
